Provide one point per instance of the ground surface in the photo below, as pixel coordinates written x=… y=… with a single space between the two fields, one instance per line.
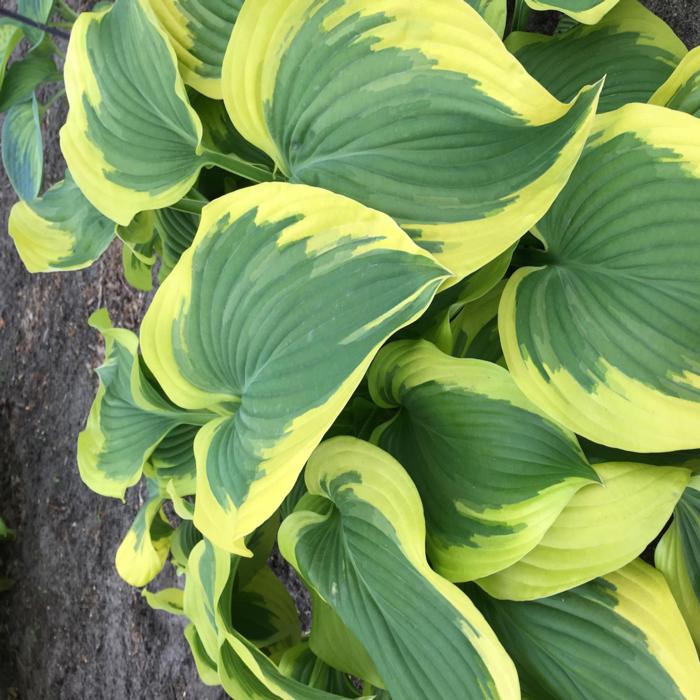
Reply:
x=71 y=629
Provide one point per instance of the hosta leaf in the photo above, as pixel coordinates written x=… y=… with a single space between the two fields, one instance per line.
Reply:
x=143 y=552
x=173 y=459
x=631 y=46
x=260 y=544
x=25 y=75
x=493 y=473
x=183 y=541
x=10 y=35
x=361 y=548
x=168 y=600
x=303 y=665
x=243 y=670
x=221 y=135
x=677 y=556
x=584 y=11
x=600 y=530
x=37 y=10
x=132 y=140
x=264 y=612
x=263 y=319
x=475 y=328
x=601 y=453
x=334 y=643
x=494 y=12
x=618 y=637
x=199 y=31
x=389 y=103
x=206 y=667
x=604 y=334
x=137 y=273
x=176 y=230
x=682 y=90
x=128 y=418
x=22 y=148
x=60 y=230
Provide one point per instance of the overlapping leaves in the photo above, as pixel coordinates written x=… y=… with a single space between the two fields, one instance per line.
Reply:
x=505 y=431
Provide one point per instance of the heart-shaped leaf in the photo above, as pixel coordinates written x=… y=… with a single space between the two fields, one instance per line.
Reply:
x=493 y=473
x=132 y=141
x=603 y=331
x=414 y=109
x=358 y=543
x=263 y=321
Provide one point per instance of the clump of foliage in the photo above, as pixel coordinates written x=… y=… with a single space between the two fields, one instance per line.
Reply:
x=445 y=352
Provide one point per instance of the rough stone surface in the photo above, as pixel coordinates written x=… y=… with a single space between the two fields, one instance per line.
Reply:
x=70 y=628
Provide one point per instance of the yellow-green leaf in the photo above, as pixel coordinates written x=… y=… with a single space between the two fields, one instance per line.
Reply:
x=602 y=329
x=389 y=103
x=199 y=31
x=132 y=141
x=620 y=636
x=143 y=552
x=493 y=472
x=677 y=556
x=584 y=11
x=634 y=49
x=264 y=322
x=600 y=530
x=682 y=89
x=361 y=548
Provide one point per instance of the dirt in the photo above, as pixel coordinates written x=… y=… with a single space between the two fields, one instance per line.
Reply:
x=70 y=628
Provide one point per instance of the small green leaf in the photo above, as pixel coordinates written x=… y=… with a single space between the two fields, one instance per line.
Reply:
x=10 y=35
x=39 y=11
x=143 y=552
x=25 y=75
x=128 y=418
x=23 y=148
x=176 y=230
x=301 y=664
x=60 y=230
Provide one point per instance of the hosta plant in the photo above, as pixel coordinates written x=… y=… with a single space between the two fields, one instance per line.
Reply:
x=428 y=319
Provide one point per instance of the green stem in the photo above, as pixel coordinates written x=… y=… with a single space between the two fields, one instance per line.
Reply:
x=521 y=14
x=233 y=164
x=56 y=96
x=189 y=205
x=192 y=418
x=65 y=11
